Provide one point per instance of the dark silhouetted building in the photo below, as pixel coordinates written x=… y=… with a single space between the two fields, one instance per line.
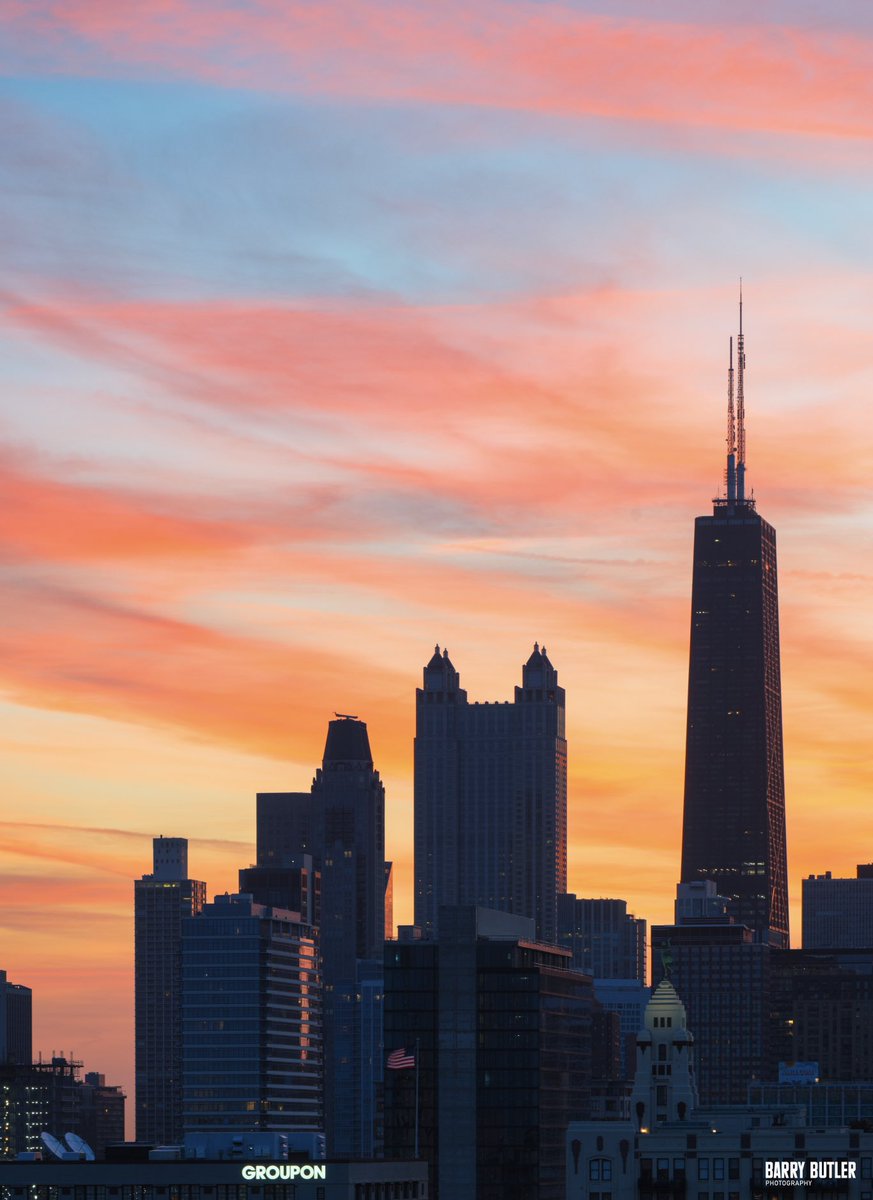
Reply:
x=722 y=973
x=734 y=817
x=341 y=824
x=161 y=901
x=251 y=1020
x=604 y=939
x=491 y=797
x=838 y=913
x=102 y=1113
x=498 y=1029
x=821 y=1011
x=16 y=1022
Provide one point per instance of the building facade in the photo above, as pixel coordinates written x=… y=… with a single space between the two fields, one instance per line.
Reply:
x=162 y=900
x=674 y=1149
x=340 y=825
x=723 y=976
x=605 y=940
x=734 y=814
x=491 y=797
x=251 y=1020
x=496 y=1034
x=838 y=913
x=16 y=1023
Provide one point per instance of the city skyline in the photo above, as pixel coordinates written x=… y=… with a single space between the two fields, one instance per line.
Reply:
x=329 y=341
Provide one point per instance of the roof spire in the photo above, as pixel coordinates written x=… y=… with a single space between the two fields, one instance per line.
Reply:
x=741 y=410
x=731 y=432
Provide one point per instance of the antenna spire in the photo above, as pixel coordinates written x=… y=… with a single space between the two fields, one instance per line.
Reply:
x=731 y=432
x=741 y=410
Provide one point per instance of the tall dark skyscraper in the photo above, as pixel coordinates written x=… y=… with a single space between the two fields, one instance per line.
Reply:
x=341 y=824
x=491 y=797
x=734 y=824
x=161 y=900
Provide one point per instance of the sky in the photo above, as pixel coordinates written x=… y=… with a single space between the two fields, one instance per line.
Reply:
x=333 y=330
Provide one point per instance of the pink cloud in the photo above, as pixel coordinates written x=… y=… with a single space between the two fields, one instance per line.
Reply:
x=547 y=58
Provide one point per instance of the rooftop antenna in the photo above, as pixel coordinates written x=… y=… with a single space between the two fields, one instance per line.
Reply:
x=731 y=433
x=741 y=410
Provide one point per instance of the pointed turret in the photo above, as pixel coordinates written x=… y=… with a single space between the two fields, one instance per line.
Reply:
x=439 y=674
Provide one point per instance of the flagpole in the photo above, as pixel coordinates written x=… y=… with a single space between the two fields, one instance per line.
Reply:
x=416 y=1097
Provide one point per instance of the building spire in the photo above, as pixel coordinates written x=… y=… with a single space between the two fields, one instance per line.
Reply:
x=741 y=410
x=731 y=432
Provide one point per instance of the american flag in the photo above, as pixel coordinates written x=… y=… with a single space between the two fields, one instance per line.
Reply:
x=398 y=1059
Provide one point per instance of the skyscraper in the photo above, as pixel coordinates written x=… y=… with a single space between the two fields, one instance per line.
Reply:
x=341 y=824
x=499 y=1030
x=606 y=941
x=491 y=797
x=251 y=1017
x=16 y=1023
x=734 y=823
x=161 y=900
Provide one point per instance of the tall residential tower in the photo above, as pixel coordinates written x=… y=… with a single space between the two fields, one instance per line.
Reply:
x=491 y=797
x=161 y=900
x=734 y=823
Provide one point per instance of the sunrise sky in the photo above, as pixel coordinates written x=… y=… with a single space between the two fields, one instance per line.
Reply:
x=334 y=330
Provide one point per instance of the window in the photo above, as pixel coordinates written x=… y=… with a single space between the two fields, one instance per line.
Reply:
x=600 y=1169
x=718 y=1168
x=703 y=1168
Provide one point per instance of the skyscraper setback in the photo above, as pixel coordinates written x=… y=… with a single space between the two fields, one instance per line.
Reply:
x=734 y=820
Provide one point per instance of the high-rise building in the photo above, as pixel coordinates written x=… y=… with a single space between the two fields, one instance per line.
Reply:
x=605 y=940
x=341 y=824
x=734 y=819
x=161 y=901
x=16 y=1022
x=251 y=1020
x=722 y=974
x=838 y=913
x=491 y=797
x=490 y=1035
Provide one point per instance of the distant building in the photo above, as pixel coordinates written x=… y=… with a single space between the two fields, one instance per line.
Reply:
x=672 y=1148
x=821 y=1010
x=161 y=901
x=627 y=998
x=723 y=976
x=102 y=1113
x=604 y=939
x=838 y=913
x=491 y=797
x=16 y=1023
x=492 y=1031
x=340 y=824
x=733 y=830
x=251 y=1020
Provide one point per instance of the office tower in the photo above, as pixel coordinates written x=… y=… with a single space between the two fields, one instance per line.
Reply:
x=604 y=939
x=734 y=820
x=251 y=1020
x=161 y=901
x=838 y=913
x=16 y=1022
x=499 y=1032
x=722 y=974
x=490 y=797
x=341 y=824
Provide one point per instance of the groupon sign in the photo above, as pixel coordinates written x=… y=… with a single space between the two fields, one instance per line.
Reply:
x=284 y=1171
